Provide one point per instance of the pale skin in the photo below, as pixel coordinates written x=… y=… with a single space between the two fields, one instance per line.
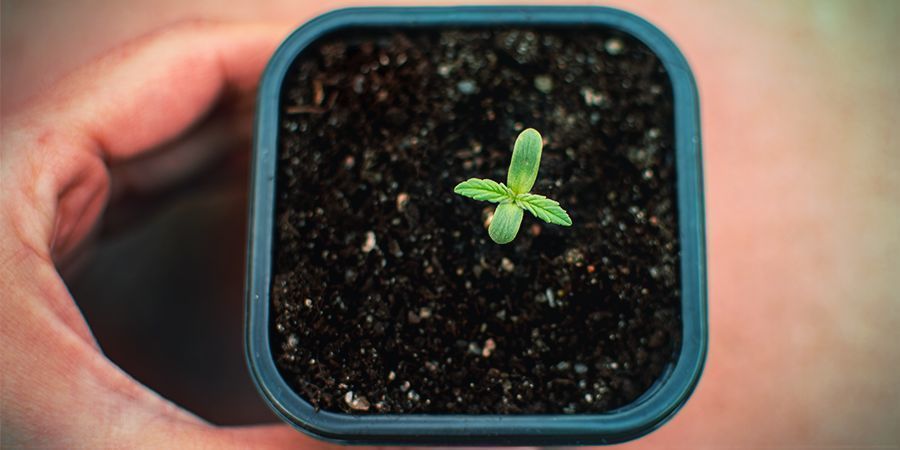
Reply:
x=802 y=215
x=58 y=388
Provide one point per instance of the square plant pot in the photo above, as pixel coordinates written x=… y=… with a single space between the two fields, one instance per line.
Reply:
x=378 y=311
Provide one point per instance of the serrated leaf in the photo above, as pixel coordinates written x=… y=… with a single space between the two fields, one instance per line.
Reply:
x=526 y=160
x=506 y=222
x=485 y=190
x=545 y=209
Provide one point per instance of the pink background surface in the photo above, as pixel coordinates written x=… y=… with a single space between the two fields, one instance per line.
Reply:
x=800 y=110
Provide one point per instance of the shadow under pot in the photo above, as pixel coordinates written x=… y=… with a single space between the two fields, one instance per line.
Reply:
x=380 y=311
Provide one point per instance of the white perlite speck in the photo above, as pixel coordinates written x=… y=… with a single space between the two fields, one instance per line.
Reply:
x=614 y=46
x=356 y=403
x=543 y=83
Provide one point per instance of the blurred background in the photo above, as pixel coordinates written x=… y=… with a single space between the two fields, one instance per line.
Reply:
x=800 y=106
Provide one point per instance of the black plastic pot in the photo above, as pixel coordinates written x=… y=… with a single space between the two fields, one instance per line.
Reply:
x=645 y=414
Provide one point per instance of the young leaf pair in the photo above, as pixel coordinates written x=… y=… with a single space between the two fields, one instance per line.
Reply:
x=514 y=197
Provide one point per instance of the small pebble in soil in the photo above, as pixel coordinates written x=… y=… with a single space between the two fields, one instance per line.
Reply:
x=574 y=256
x=592 y=98
x=369 y=245
x=358 y=84
x=543 y=83
x=613 y=46
x=487 y=215
x=395 y=249
x=507 y=265
x=535 y=230
x=489 y=347
x=466 y=87
x=318 y=92
x=402 y=200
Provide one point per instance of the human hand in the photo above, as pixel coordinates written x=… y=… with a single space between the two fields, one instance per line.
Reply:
x=789 y=187
x=187 y=87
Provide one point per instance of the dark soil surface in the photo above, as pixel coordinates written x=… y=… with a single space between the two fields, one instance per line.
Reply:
x=388 y=295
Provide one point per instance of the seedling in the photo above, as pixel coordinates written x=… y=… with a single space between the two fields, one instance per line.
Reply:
x=514 y=197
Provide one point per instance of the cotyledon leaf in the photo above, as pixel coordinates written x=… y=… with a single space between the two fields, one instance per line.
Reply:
x=506 y=222
x=526 y=160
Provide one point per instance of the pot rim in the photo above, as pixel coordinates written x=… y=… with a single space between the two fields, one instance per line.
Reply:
x=636 y=419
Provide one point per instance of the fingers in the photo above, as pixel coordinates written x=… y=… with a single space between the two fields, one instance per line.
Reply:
x=57 y=151
x=271 y=437
x=58 y=391
x=149 y=91
x=54 y=181
x=208 y=142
